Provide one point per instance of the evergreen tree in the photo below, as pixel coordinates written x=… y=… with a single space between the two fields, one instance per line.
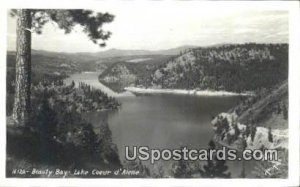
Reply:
x=72 y=84
x=270 y=135
x=278 y=108
x=253 y=132
x=46 y=119
x=215 y=168
x=243 y=172
x=180 y=169
x=247 y=132
x=236 y=132
x=225 y=124
x=285 y=111
x=158 y=171
x=137 y=166
x=33 y=20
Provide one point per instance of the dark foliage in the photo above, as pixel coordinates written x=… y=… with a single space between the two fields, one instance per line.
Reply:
x=270 y=135
x=181 y=169
x=215 y=168
x=124 y=73
x=236 y=67
x=90 y=21
x=58 y=135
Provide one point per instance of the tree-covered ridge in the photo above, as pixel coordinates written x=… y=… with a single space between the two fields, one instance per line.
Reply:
x=118 y=77
x=57 y=132
x=83 y=98
x=121 y=72
x=234 y=67
x=269 y=108
x=33 y=20
x=258 y=122
x=50 y=67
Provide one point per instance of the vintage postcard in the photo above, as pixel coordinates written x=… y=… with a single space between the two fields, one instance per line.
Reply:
x=151 y=90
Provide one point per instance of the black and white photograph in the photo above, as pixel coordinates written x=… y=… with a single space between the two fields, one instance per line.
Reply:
x=152 y=90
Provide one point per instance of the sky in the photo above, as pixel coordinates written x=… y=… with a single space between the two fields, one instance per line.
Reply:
x=156 y=26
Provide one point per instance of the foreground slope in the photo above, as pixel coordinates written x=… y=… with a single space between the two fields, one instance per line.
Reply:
x=258 y=122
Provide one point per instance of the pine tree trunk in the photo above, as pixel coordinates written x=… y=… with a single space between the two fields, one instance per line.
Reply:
x=21 y=108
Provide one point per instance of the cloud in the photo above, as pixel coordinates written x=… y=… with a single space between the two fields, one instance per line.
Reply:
x=159 y=27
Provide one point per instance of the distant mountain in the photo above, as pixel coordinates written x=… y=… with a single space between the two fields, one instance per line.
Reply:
x=121 y=52
x=90 y=61
x=85 y=56
x=125 y=52
x=177 y=50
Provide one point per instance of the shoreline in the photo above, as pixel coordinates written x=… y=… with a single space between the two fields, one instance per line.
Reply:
x=137 y=90
x=91 y=78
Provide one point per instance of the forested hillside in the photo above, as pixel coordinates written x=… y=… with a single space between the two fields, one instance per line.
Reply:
x=120 y=72
x=43 y=64
x=236 y=67
x=269 y=108
x=259 y=122
x=57 y=133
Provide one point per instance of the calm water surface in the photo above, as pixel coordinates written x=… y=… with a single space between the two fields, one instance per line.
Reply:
x=161 y=121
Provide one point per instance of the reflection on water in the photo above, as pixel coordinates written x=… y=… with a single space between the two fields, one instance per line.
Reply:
x=164 y=121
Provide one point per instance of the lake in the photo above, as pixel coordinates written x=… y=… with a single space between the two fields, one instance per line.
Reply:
x=161 y=120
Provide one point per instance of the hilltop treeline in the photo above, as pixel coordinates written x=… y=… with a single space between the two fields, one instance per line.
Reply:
x=122 y=73
x=236 y=67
